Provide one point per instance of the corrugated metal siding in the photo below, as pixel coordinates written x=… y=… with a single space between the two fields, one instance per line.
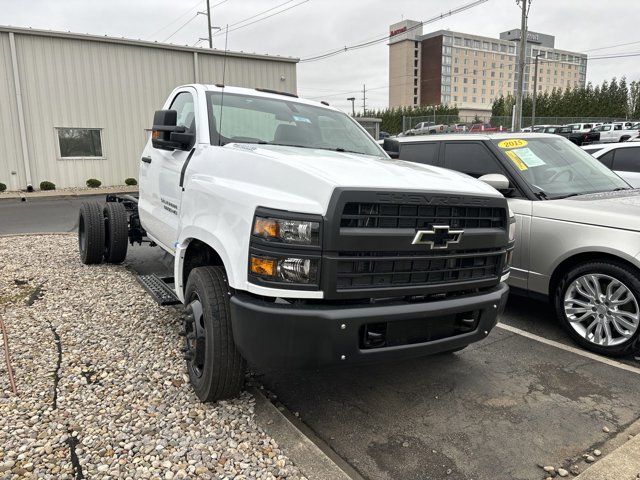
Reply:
x=11 y=150
x=251 y=74
x=70 y=82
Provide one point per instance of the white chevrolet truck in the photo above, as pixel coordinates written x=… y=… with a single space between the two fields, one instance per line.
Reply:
x=298 y=242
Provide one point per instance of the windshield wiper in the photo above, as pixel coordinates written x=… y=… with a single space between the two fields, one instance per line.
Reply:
x=331 y=149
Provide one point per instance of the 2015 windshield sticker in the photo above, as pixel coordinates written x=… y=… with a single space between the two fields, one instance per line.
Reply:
x=298 y=118
x=518 y=163
x=529 y=158
x=513 y=143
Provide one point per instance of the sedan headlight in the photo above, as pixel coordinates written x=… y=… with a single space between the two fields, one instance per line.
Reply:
x=298 y=232
x=512 y=226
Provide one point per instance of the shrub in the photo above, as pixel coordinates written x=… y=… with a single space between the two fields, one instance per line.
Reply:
x=93 y=183
x=3 y=187
x=130 y=181
x=47 y=185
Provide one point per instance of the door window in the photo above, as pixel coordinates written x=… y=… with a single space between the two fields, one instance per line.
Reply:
x=183 y=104
x=627 y=159
x=607 y=158
x=471 y=158
x=420 y=152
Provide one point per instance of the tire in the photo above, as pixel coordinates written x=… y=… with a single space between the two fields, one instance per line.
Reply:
x=218 y=372
x=116 y=232
x=624 y=138
x=568 y=293
x=91 y=233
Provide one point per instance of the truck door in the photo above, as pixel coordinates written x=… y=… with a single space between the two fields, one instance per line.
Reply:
x=163 y=171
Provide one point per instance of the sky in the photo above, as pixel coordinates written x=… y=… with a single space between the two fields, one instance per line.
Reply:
x=303 y=28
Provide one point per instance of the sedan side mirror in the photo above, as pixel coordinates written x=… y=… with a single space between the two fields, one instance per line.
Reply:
x=165 y=135
x=496 y=180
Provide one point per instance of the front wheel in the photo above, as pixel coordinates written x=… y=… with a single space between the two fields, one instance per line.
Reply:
x=597 y=303
x=215 y=367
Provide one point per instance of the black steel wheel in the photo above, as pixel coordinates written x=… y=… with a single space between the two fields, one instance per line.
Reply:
x=215 y=367
x=91 y=233
x=116 y=232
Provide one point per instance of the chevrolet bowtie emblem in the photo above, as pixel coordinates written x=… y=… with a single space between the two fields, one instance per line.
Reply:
x=439 y=237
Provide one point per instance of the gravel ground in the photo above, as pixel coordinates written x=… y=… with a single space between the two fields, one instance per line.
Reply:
x=102 y=389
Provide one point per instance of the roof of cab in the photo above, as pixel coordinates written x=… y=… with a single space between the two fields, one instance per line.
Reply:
x=265 y=93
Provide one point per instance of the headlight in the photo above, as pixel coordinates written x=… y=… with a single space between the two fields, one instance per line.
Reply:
x=512 y=226
x=298 y=232
x=284 y=269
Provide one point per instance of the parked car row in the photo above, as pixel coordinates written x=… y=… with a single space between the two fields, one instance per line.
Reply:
x=577 y=227
x=586 y=133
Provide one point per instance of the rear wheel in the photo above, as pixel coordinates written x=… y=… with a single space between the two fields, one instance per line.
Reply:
x=91 y=233
x=215 y=367
x=116 y=229
x=598 y=304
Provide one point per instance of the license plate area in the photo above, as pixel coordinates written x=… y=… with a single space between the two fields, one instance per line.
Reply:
x=418 y=330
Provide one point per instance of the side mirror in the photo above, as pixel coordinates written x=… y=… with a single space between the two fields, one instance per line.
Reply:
x=165 y=135
x=496 y=180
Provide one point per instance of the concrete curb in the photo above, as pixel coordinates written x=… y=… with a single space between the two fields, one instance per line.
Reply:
x=622 y=463
x=310 y=454
x=74 y=192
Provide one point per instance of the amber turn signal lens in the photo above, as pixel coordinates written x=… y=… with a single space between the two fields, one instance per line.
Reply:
x=265 y=227
x=265 y=267
x=155 y=134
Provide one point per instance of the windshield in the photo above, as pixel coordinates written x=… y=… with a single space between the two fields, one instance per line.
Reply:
x=557 y=168
x=252 y=119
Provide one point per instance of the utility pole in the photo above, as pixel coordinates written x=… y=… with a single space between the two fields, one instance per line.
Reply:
x=209 y=24
x=209 y=27
x=525 y=5
x=353 y=106
x=535 y=94
x=364 y=100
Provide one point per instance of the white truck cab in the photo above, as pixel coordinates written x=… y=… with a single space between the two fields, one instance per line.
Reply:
x=298 y=241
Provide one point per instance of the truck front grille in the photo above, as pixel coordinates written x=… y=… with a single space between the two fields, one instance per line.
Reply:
x=356 y=270
x=389 y=215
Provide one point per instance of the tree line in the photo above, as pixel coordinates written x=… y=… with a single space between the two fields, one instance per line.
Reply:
x=614 y=99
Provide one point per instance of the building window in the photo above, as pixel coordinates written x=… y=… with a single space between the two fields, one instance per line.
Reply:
x=485 y=45
x=455 y=98
x=457 y=41
x=446 y=70
x=446 y=50
x=445 y=79
x=417 y=44
x=415 y=54
x=80 y=142
x=446 y=40
x=415 y=81
x=415 y=91
x=415 y=100
x=415 y=72
x=495 y=47
x=446 y=61
x=464 y=80
x=415 y=63
x=455 y=69
x=473 y=99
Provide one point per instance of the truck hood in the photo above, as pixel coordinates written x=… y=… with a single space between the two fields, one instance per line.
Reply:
x=611 y=209
x=328 y=168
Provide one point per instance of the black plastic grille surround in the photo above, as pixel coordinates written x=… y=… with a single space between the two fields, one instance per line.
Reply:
x=370 y=269
x=389 y=215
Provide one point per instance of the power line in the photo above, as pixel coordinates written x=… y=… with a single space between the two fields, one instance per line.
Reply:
x=175 y=20
x=181 y=27
x=611 y=46
x=262 y=13
x=369 y=43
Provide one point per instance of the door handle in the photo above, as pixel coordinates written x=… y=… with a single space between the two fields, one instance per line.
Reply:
x=146 y=159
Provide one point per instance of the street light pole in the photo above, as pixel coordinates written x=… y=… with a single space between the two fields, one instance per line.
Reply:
x=353 y=106
x=535 y=93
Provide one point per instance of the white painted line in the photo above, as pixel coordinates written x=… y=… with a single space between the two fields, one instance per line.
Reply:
x=569 y=348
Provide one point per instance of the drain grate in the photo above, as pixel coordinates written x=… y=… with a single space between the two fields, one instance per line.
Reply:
x=159 y=289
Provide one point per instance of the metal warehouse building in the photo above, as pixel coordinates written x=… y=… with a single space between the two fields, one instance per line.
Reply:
x=74 y=107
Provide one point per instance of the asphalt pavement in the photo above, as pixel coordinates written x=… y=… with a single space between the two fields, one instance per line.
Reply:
x=499 y=409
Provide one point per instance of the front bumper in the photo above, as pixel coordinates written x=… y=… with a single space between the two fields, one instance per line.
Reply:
x=275 y=335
